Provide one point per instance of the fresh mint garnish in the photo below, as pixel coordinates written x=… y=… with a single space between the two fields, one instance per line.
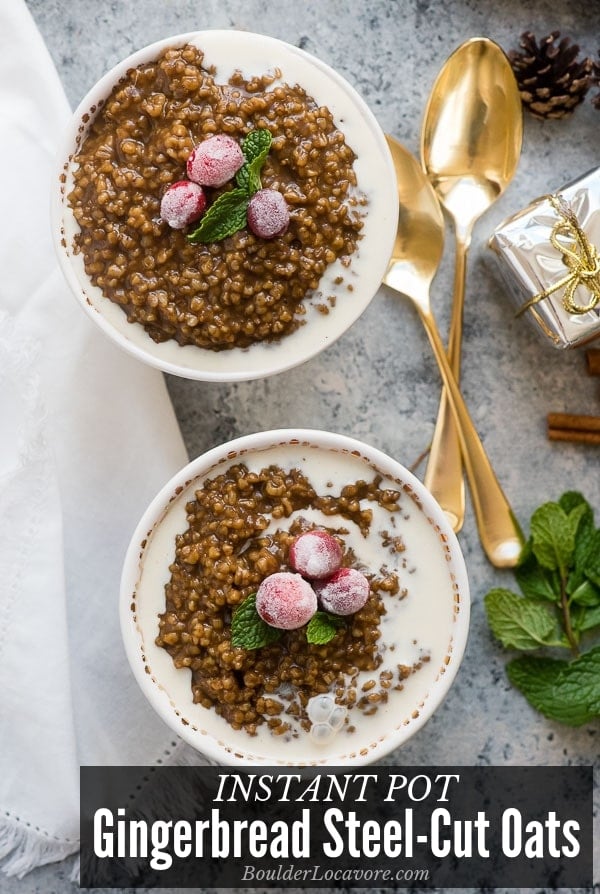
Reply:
x=520 y=623
x=558 y=608
x=248 y=630
x=255 y=147
x=227 y=214
x=256 y=144
x=553 y=535
x=565 y=691
x=322 y=627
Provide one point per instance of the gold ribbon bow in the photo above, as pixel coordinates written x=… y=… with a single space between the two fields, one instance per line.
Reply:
x=578 y=255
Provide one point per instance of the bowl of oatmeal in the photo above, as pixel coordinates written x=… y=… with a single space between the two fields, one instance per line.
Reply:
x=176 y=266
x=340 y=682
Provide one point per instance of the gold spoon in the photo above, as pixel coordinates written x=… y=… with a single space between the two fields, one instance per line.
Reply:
x=415 y=259
x=470 y=148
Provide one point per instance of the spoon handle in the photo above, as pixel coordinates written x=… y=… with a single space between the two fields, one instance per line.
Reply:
x=444 y=473
x=499 y=531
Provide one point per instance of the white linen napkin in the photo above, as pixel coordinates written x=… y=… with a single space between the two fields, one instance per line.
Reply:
x=87 y=436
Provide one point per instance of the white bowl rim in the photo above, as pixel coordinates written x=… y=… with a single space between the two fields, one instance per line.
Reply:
x=203 y=464
x=144 y=348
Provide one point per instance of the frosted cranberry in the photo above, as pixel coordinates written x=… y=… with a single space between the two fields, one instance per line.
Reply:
x=315 y=554
x=268 y=214
x=215 y=160
x=344 y=593
x=286 y=600
x=182 y=203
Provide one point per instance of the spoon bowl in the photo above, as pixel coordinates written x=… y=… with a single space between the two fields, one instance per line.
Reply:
x=419 y=242
x=470 y=147
x=472 y=131
x=417 y=253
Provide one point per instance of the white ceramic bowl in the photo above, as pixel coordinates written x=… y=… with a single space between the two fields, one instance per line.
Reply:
x=254 y=54
x=435 y=613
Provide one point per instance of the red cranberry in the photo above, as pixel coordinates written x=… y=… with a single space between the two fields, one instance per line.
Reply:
x=344 y=593
x=315 y=554
x=215 y=161
x=268 y=214
x=286 y=600
x=182 y=203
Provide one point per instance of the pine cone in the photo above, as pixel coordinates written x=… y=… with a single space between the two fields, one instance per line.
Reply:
x=551 y=79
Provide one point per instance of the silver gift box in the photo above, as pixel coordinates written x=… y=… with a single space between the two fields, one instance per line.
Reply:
x=532 y=265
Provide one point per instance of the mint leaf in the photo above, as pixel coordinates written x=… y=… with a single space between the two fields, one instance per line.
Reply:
x=519 y=623
x=248 y=630
x=584 y=542
x=591 y=566
x=255 y=147
x=256 y=144
x=535 y=678
x=586 y=594
x=538 y=680
x=254 y=181
x=226 y=216
x=322 y=627
x=559 y=564
x=565 y=691
x=553 y=535
x=536 y=582
x=584 y=618
x=579 y=682
x=242 y=178
x=571 y=499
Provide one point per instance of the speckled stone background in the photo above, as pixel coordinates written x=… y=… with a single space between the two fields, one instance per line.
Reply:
x=379 y=382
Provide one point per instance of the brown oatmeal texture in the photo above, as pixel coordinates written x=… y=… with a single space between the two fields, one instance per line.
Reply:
x=226 y=294
x=221 y=559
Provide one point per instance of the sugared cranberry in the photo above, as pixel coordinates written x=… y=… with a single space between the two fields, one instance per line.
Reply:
x=286 y=600
x=268 y=214
x=182 y=203
x=215 y=160
x=344 y=593
x=315 y=554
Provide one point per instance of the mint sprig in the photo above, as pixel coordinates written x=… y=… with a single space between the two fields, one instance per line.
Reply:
x=255 y=147
x=322 y=627
x=558 y=608
x=226 y=216
x=520 y=623
x=228 y=213
x=561 y=690
x=248 y=630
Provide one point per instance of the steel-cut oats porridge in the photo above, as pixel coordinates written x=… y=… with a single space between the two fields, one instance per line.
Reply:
x=241 y=524
x=222 y=294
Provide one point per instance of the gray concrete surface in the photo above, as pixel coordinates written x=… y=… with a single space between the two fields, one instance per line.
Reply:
x=379 y=382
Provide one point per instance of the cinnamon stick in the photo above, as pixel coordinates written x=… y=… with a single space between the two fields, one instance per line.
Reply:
x=574 y=422
x=574 y=436
x=592 y=356
x=574 y=427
